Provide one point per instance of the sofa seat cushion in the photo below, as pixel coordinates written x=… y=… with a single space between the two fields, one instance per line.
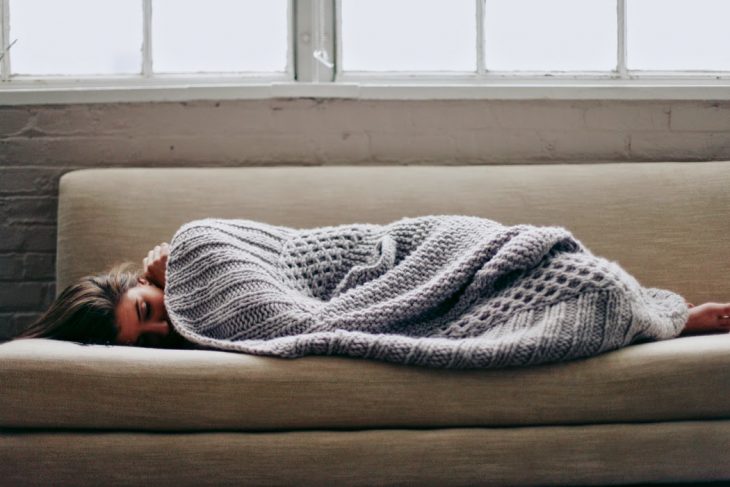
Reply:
x=53 y=384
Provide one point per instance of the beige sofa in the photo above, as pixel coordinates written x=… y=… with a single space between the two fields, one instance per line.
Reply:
x=653 y=412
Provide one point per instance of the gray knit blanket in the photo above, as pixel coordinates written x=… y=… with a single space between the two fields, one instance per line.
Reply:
x=447 y=291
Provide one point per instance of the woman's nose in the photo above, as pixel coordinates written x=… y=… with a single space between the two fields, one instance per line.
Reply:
x=159 y=328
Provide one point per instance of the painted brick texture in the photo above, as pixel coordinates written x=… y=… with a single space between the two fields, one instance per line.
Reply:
x=40 y=143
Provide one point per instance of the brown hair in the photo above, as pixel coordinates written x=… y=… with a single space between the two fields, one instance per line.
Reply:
x=84 y=311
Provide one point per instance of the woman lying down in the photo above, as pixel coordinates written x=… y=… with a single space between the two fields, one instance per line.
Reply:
x=449 y=291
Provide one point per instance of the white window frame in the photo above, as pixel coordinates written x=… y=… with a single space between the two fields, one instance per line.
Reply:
x=4 y=41
x=315 y=52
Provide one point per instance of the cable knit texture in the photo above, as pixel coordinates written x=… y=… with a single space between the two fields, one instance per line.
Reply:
x=448 y=291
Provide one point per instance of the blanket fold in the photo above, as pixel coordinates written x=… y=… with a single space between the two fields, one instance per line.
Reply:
x=449 y=291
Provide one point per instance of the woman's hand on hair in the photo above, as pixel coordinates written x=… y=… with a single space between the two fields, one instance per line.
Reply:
x=155 y=264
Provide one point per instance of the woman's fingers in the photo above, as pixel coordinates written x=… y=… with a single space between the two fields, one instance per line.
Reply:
x=156 y=257
x=725 y=310
x=709 y=318
x=161 y=252
x=722 y=316
x=723 y=324
x=719 y=311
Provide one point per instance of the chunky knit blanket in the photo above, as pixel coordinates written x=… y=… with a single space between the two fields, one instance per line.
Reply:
x=447 y=291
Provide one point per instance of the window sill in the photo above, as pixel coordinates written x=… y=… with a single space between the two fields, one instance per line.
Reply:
x=112 y=91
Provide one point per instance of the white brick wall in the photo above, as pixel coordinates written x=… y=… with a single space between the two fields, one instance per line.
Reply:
x=40 y=143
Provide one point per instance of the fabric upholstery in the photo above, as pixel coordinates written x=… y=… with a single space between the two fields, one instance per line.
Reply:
x=553 y=455
x=652 y=412
x=48 y=383
x=663 y=222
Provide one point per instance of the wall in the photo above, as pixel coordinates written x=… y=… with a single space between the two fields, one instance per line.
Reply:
x=40 y=143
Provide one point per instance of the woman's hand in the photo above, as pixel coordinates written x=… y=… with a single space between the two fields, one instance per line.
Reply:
x=155 y=264
x=707 y=318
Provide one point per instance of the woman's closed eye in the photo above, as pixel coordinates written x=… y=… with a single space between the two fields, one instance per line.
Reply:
x=144 y=311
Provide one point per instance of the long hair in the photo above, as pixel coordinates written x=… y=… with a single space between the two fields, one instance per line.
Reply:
x=85 y=311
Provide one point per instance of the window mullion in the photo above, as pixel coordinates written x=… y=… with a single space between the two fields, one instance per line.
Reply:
x=337 y=39
x=302 y=40
x=315 y=40
x=480 y=37
x=622 y=72
x=323 y=11
x=5 y=39
x=147 y=38
x=291 y=48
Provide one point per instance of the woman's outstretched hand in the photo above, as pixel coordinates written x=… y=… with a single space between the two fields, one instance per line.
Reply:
x=707 y=318
x=155 y=264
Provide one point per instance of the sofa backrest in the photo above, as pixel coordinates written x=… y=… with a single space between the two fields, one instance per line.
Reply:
x=665 y=223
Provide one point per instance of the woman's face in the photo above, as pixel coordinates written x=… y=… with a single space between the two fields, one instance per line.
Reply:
x=141 y=316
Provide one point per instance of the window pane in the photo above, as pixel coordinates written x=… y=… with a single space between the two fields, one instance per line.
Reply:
x=408 y=35
x=76 y=36
x=190 y=36
x=687 y=34
x=555 y=35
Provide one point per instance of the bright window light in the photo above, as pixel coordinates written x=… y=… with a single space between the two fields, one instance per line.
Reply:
x=189 y=36
x=82 y=37
x=678 y=35
x=555 y=35
x=408 y=35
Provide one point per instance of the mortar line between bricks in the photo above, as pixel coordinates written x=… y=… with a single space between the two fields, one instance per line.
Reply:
x=20 y=166
x=5 y=253
x=43 y=197
x=23 y=281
